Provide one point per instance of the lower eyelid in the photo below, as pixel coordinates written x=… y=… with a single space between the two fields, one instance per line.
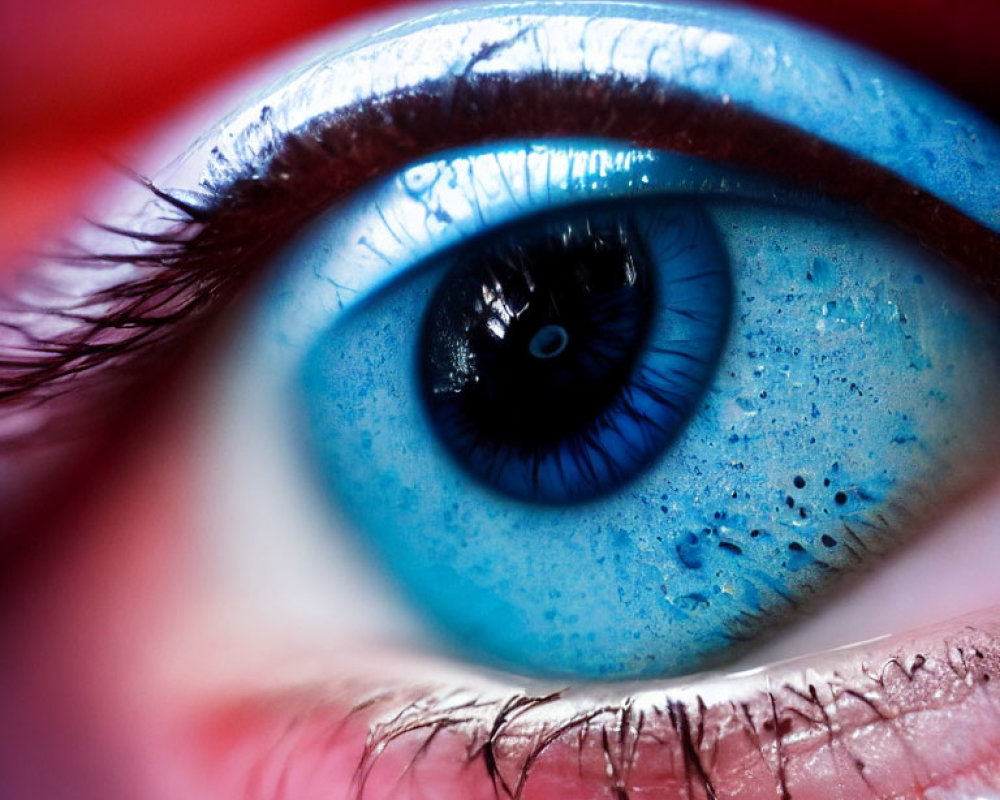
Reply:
x=863 y=722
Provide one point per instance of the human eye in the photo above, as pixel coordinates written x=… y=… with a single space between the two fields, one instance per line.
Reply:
x=607 y=496
x=535 y=734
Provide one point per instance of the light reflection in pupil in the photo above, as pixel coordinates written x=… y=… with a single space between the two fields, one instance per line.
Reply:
x=549 y=342
x=535 y=353
x=535 y=333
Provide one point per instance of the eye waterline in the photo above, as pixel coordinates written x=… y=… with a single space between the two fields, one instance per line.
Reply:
x=487 y=187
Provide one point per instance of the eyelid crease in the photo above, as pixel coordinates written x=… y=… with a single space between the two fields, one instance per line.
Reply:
x=83 y=325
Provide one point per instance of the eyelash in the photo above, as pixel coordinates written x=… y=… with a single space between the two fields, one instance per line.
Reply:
x=505 y=737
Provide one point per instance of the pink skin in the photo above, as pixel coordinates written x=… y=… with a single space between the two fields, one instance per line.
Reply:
x=866 y=724
x=128 y=672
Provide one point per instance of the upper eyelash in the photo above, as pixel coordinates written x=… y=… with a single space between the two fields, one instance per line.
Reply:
x=54 y=335
x=195 y=249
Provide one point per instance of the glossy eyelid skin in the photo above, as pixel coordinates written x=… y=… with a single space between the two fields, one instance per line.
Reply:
x=868 y=108
x=606 y=761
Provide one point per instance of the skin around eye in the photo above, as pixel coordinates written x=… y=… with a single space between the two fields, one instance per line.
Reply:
x=79 y=708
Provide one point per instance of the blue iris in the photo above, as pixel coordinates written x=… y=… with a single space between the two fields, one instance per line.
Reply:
x=563 y=354
x=828 y=411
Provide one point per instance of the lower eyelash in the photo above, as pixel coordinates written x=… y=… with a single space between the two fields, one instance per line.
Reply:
x=863 y=727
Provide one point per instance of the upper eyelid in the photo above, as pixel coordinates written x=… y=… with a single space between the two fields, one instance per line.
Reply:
x=857 y=101
x=188 y=248
x=876 y=111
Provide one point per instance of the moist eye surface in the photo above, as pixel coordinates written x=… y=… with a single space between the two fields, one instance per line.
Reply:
x=843 y=398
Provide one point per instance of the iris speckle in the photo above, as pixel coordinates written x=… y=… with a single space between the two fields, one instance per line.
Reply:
x=689 y=552
x=798 y=557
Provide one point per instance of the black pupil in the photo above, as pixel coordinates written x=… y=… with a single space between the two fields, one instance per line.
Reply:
x=535 y=333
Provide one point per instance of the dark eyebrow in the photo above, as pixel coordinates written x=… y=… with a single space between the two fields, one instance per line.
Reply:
x=105 y=342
